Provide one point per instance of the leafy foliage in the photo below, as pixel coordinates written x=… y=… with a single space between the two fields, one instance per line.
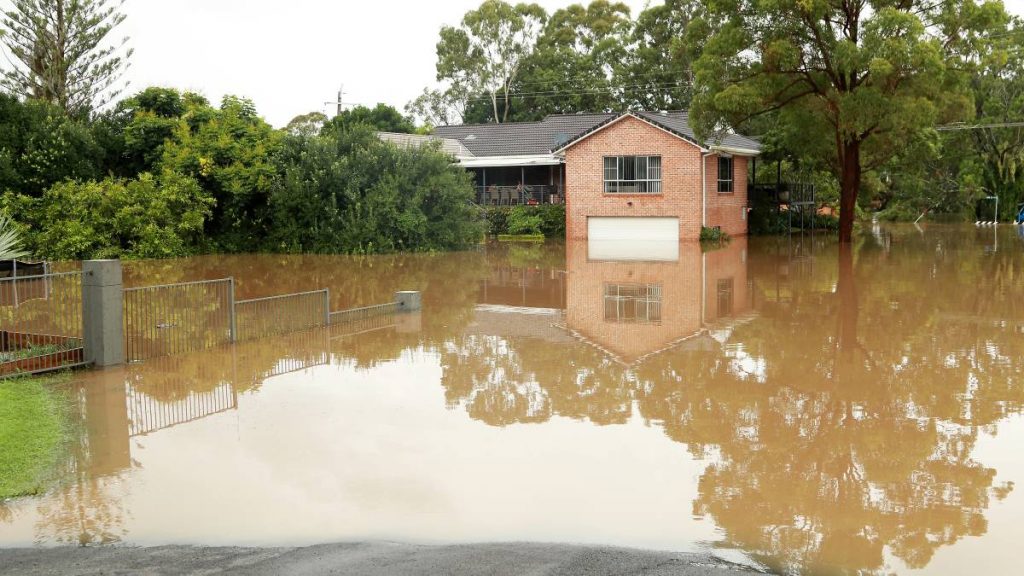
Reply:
x=546 y=219
x=41 y=145
x=853 y=83
x=229 y=152
x=381 y=117
x=522 y=222
x=147 y=217
x=347 y=191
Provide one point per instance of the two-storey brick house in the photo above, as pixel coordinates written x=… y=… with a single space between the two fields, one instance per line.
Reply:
x=639 y=176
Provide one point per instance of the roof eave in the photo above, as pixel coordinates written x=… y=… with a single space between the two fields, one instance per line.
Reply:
x=736 y=150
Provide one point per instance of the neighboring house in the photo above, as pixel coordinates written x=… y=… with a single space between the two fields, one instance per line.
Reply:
x=635 y=175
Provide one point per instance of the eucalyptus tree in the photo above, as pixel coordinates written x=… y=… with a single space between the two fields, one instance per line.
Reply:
x=656 y=73
x=575 y=61
x=485 y=53
x=854 y=79
x=63 y=52
x=998 y=150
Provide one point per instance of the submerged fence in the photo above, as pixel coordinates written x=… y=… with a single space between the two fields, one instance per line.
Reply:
x=62 y=320
x=41 y=324
x=262 y=317
x=177 y=318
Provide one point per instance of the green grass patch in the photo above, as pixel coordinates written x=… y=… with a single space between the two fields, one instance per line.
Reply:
x=33 y=431
x=520 y=237
x=30 y=352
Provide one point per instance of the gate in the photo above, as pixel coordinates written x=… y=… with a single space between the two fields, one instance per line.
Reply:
x=40 y=323
x=176 y=318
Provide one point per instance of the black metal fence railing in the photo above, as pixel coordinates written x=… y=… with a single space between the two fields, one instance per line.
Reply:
x=530 y=194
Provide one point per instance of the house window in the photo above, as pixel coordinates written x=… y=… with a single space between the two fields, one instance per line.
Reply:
x=632 y=303
x=632 y=174
x=725 y=175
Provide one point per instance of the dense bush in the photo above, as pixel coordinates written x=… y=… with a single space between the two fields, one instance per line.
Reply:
x=522 y=220
x=546 y=219
x=147 y=217
x=713 y=235
x=347 y=191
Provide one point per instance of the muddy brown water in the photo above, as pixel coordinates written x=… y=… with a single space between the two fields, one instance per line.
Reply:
x=811 y=409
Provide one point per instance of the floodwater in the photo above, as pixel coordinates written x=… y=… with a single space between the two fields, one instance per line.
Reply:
x=780 y=400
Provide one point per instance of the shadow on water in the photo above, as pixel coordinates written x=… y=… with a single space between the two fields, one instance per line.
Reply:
x=835 y=395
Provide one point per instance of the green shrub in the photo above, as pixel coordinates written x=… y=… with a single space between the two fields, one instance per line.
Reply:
x=143 y=218
x=713 y=235
x=522 y=220
x=497 y=220
x=349 y=192
x=546 y=219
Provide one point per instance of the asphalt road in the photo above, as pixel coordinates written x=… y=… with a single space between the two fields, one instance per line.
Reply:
x=364 y=559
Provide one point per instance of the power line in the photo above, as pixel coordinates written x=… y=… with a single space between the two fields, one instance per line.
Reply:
x=962 y=126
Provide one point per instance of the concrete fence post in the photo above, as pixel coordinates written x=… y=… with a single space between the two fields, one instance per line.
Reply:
x=103 y=312
x=409 y=301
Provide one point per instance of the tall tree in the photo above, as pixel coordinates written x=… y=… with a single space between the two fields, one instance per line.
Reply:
x=575 y=59
x=62 y=51
x=656 y=73
x=485 y=53
x=998 y=151
x=381 y=117
x=857 y=77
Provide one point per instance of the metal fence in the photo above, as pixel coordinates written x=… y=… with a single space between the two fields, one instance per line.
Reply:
x=261 y=317
x=362 y=320
x=40 y=323
x=169 y=404
x=176 y=318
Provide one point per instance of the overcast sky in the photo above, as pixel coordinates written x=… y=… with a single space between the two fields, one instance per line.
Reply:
x=290 y=56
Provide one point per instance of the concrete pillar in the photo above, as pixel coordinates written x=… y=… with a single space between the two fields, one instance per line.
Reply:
x=410 y=323
x=103 y=312
x=409 y=301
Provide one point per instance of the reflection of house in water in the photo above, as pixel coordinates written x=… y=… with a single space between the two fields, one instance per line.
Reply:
x=523 y=286
x=631 y=307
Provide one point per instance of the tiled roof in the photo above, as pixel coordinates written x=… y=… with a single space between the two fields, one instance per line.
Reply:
x=521 y=138
x=678 y=121
x=551 y=133
x=449 y=145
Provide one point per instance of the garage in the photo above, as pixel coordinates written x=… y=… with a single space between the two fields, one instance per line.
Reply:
x=633 y=238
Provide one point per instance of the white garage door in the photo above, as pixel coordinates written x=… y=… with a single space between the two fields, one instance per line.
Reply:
x=630 y=238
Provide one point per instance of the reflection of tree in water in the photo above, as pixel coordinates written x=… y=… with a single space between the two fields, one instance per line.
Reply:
x=85 y=512
x=841 y=422
x=517 y=380
x=862 y=435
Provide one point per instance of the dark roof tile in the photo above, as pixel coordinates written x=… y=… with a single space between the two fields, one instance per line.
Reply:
x=553 y=132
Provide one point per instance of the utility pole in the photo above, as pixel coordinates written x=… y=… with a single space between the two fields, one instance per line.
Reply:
x=340 y=102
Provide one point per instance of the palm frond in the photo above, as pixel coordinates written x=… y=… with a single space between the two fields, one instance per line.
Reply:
x=10 y=240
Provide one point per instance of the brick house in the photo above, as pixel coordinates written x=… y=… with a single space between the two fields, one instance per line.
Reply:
x=636 y=176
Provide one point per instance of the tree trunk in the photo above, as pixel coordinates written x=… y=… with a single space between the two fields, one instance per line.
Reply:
x=849 y=187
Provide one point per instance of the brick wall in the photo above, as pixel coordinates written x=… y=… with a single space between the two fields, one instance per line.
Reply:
x=728 y=210
x=681 y=181
x=680 y=168
x=727 y=284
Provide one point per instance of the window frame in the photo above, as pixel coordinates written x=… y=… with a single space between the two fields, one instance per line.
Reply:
x=727 y=185
x=616 y=171
x=631 y=303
